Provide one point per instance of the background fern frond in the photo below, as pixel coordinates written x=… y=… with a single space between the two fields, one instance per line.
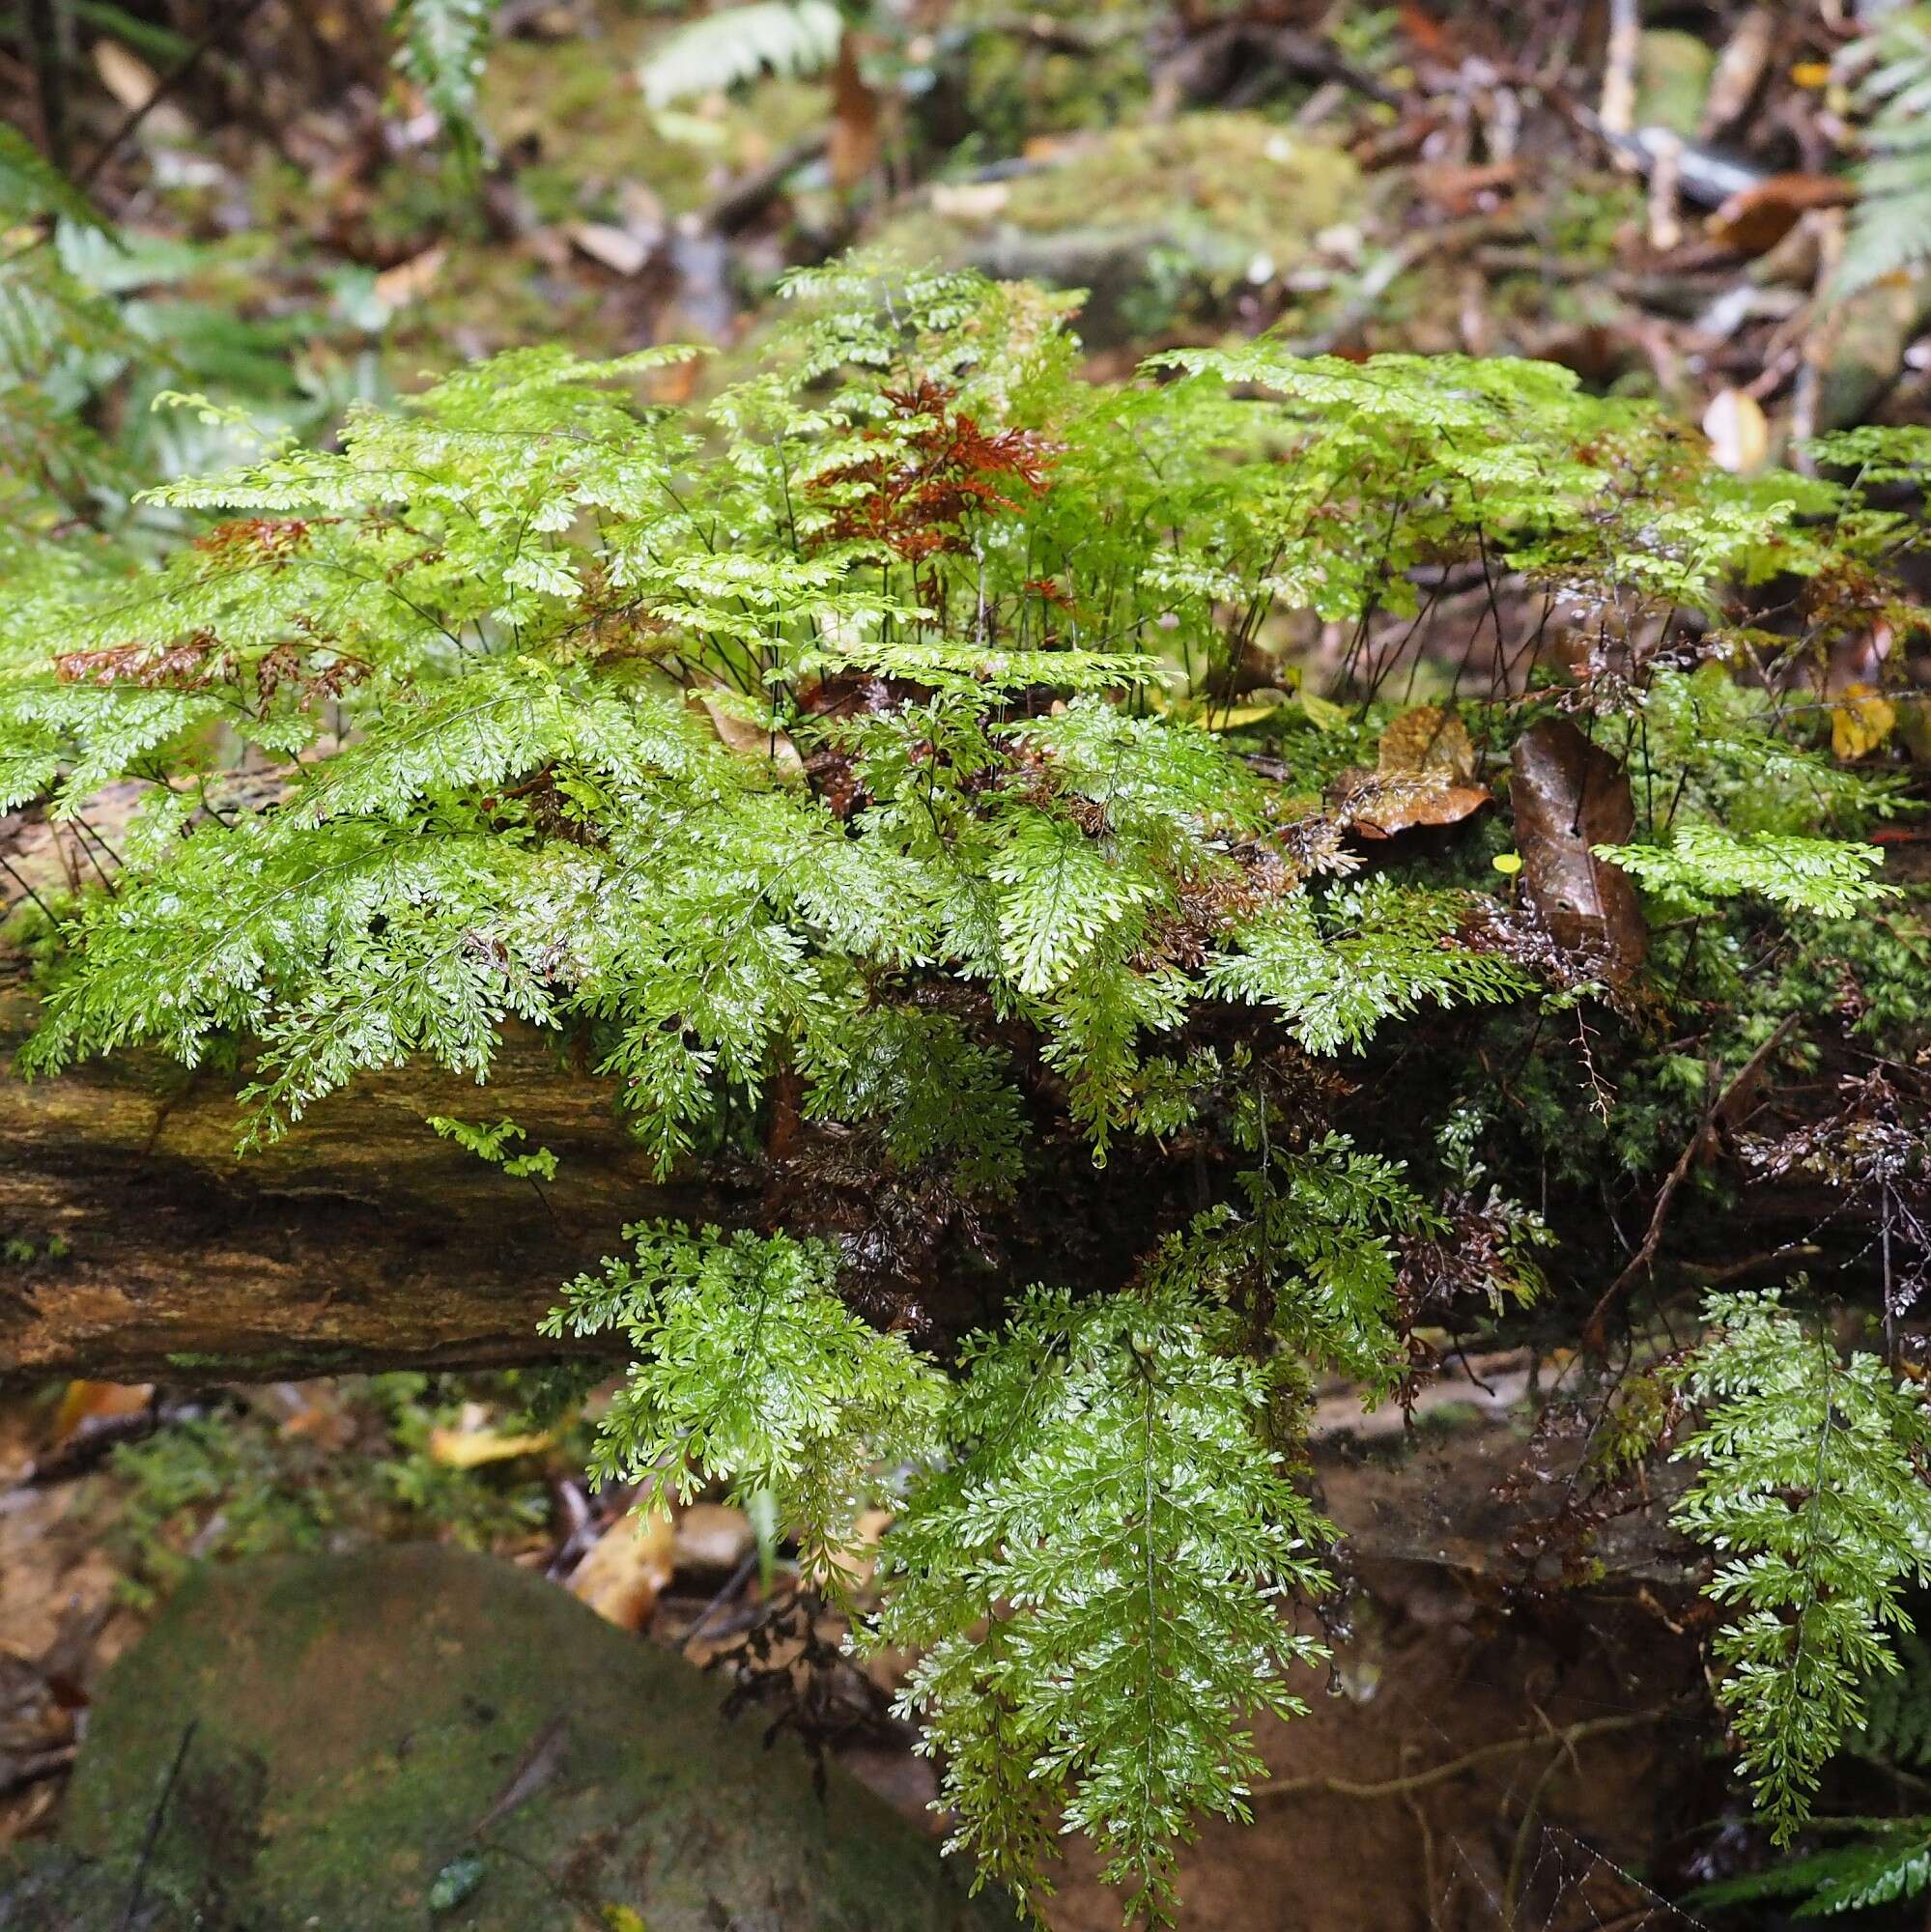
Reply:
x=441 y=44
x=1891 y=225
x=786 y=38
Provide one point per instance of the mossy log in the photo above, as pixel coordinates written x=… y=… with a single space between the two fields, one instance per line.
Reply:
x=140 y=1245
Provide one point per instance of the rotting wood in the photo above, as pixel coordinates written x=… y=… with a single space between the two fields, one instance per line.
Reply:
x=142 y=1247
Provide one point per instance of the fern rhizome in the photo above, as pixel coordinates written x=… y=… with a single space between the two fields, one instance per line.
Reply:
x=857 y=774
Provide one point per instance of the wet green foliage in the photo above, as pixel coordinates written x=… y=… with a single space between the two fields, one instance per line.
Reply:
x=847 y=770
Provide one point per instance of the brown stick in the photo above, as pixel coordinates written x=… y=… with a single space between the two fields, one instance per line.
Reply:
x=1592 y=1329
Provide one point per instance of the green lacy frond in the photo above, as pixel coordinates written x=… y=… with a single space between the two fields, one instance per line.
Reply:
x=1891 y=222
x=443 y=46
x=1702 y=863
x=1095 y=1585
x=722 y=51
x=1893 y=1862
x=752 y=1372
x=1812 y=1493
x=1337 y=967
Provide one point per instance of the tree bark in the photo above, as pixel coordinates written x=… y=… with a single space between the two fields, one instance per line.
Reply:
x=140 y=1246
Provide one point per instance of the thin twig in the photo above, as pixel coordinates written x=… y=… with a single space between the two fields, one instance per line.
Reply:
x=1592 y=1329
x=735 y=1582
x=152 y=1836
x=164 y=87
x=7 y=866
x=49 y=50
x=1618 y=109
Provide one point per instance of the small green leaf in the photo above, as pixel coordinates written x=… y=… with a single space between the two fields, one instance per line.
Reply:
x=456 y=1882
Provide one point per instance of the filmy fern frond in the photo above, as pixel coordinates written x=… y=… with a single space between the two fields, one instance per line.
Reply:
x=1095 y=1585
x=1890 y=225
x=722 y=51
x=443 y=46
x=752 y=1372
x=1891 y=1861
x=1811 y=1493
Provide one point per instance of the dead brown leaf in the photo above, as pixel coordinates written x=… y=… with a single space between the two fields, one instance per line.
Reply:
x=713 y=1536
x=1427 y=738
x=1462 y=189
x=83 y=1402
x=1756 y=219
x=1426 y=774
x=750 y=739
x=614 y=248
x=1570 y=796
x=627 y=1568
x=410 y=282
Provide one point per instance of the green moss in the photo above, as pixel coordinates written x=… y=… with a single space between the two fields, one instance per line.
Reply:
x=357 y=1723
x=1161 y=224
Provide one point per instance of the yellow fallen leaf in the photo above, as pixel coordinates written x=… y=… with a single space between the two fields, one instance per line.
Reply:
x=82 y=1401
x=627 y=1569
x=1323 y=713
x=472 y=1448
x=1861 y=721
x=1738 y=430
x=1244 y=714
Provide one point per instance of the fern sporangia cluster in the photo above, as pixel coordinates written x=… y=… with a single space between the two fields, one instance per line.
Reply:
x=855 y=773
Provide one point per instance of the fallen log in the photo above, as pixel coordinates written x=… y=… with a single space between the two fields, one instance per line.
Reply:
x=140 y=1246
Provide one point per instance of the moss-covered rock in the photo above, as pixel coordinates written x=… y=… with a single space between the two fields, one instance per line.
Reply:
x=1161 y=223
x=418 y=1737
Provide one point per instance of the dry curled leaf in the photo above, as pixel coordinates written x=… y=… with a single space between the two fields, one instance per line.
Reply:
x=628 y=1568
x=473 y=1444
x=750 y=739
x=1570 y=796
x=1425 y=773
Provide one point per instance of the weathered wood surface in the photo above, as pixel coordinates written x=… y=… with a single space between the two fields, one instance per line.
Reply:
x=142 y=1246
